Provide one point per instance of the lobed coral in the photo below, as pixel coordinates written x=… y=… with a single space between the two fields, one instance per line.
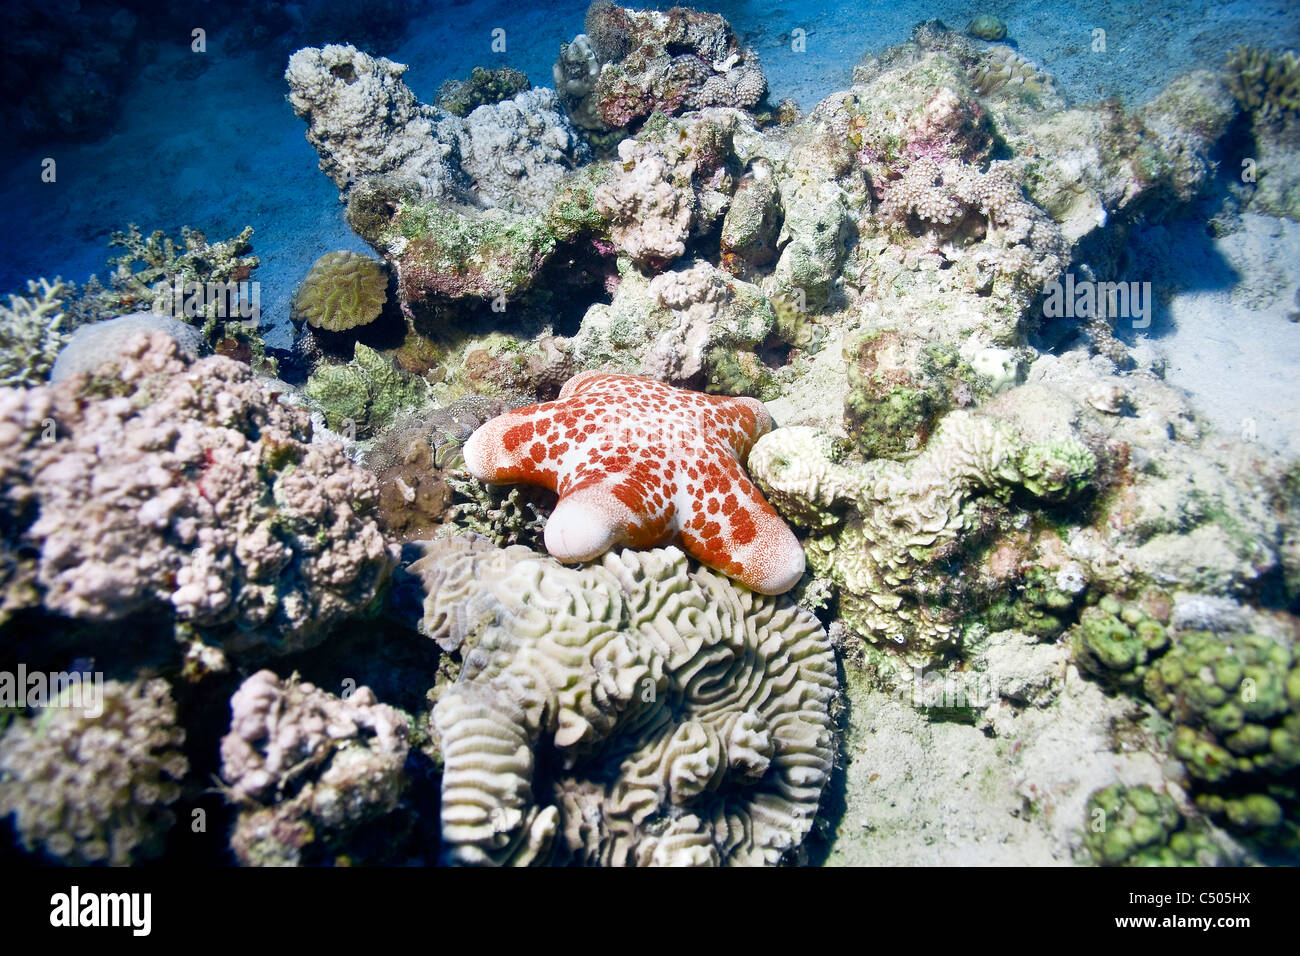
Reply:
x=87 y=787
x=342 y=291
x=308 y=769
x=678 y=718
x=174 y=484
x=32 y=333
x=360 y=397
x=1136 y=826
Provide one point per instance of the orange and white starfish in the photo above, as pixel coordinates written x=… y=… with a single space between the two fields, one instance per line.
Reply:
x=637 y=462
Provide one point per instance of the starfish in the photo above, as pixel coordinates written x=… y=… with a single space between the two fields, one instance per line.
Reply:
x=637 y=462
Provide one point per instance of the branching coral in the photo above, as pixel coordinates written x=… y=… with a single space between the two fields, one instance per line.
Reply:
x=31 y=333
x=90 y=787
x=308 y=768
x=680 y=718
x=1264 y=82
x=182 y=485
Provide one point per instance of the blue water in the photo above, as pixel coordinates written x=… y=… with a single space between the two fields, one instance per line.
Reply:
x=223 y=149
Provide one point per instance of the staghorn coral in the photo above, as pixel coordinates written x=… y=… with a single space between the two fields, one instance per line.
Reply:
x=88 y=787
x=483 y=88
x=180 y=485
x=307 y=769
x=884 y=533
x=360 y=397
x=682 y=719
x=343 y=290
x=31 y=333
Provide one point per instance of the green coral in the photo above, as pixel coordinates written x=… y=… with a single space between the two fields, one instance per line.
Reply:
x=484 y=87
x=1039 y=607
x=738 y=372
x=362 y=396
x=1117 y=640
x=31 y=333
x=1135 y=826
x=887 y=534
x=892 y=406
x=1264 y=82
x=342 y=291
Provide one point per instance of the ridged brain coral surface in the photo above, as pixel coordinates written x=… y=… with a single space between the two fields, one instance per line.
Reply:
x=680 y=719
x=343 y=290
x=638 y=462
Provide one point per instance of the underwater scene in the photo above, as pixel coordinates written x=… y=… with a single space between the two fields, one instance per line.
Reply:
x=747 y=434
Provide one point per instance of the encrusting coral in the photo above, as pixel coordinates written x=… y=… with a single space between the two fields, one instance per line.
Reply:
x=358 y=398
x=308 y=768
x=165 y=483
x=31 y=333
x=343 y=290
x=483 y=88
x=638 y=462
x=680 y=719
x=94 y=787
x=883 y=533
x=1135 y=826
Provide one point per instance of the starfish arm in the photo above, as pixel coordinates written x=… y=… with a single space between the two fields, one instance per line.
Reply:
x=510 y=448
x=735 y=530
x=594 y=517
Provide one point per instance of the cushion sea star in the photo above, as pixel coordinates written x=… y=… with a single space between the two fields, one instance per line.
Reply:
x=640 y=463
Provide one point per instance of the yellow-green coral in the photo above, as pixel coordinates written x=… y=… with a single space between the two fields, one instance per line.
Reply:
x=986 y=26
x=362 y=396
x=31 y=333
x=1135 y=826
x=343 y=290
x=1264 y=82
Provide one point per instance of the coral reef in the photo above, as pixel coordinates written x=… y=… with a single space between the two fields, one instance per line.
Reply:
x=483 y=88
x=677 y=327
x=680 y=719
x=885 y=534
x=343 y=290
x=637 y=462
x=31 y=333
x=93 y=785
x=180 y=485
x=365 y=123
x=1267 y=86
x=360 y=397
x=1265 y=83
x=632 y=63
x=308 y=769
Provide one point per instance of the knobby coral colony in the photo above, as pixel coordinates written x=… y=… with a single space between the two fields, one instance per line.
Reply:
x=956 y=500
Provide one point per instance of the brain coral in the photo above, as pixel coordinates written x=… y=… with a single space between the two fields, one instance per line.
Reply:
x=93 y=788
x=342 y=291
x=675 y=717
x=182 y=485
